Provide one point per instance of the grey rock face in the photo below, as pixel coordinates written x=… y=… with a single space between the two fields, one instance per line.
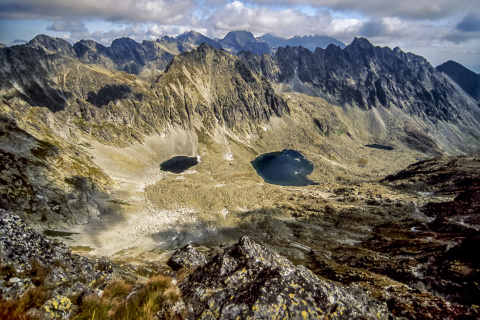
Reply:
x=127 y=55
x=30 y=68
x=248 y=280
x=236 y=41
x=186 y=257
x=309 y=42
x=191 y=40
x=365 y=76
x=124 y=55
x=42 y=193
x=52 y=45
x=468 y=80
x=237 y=97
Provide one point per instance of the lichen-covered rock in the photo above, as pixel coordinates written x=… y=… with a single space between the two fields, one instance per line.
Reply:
x=186 y=257
x=248 y=280
x=28 y=260
x=58 y=307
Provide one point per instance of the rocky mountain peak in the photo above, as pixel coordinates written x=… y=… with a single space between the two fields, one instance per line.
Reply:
x=192 y=39
x=89 y=43
x=371 y=78
x=274 y=41
x=238 y=38
x=189 y=35
x=361 y=42
x=360 y=46
x=125 y=42
x=311 y=42
x=468 y=80
x=237 y=41
x=51 y=45
x=220 y=84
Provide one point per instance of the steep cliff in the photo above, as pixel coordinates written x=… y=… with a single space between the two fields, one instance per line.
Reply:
x=366 y=77
x=218 y=88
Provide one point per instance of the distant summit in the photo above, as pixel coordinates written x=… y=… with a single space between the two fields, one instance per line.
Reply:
x=192 y=39
x=309 y=42
x=236 y=41
x=468 y=80
x=238 y=38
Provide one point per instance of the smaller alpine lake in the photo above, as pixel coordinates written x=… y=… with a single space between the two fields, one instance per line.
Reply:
x=178 y=164
x=286 y=168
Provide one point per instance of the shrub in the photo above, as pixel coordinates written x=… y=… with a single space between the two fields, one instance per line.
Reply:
x=158 y=294
x=8 y=311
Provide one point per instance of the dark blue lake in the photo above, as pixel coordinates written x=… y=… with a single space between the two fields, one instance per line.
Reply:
x=285 y=168
x=178 y=164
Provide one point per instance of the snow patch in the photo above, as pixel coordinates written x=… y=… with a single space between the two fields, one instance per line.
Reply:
x=224 y=213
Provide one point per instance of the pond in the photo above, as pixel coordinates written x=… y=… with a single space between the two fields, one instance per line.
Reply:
x=379 y=146
x=179 y=164
x=285 y=168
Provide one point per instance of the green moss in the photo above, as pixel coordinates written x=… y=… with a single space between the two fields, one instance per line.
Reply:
x=203 y=137
x=341 y=130
x=326 y=133
x=92 y=171
x=80 y=122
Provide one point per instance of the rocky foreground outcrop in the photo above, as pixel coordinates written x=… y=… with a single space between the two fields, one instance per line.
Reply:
x=249 y=281
x=29 y=262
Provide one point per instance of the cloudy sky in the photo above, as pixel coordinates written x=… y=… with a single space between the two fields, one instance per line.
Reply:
x=440 y=30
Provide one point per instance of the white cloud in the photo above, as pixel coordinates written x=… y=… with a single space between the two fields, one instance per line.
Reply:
x=408 y=9
x=259 y=20
x=68 y=25
x=161 y=11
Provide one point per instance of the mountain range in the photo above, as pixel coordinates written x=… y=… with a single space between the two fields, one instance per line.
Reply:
x=389 y=82
x=85 y=128
x=150 y=56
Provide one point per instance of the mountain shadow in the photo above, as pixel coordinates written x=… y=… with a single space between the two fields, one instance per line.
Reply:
x=111 y=92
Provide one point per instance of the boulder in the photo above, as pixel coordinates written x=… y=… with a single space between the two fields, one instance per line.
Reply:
x=186 y=257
